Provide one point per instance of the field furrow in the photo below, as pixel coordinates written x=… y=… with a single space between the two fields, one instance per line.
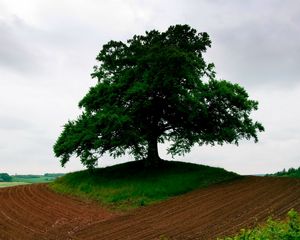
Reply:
x=35 y=212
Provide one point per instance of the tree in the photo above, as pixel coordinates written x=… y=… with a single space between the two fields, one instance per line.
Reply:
x=154 y=88
x=4 y=177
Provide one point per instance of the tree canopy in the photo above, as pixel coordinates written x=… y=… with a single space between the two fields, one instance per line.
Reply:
x=4 y=177
x=154 y=88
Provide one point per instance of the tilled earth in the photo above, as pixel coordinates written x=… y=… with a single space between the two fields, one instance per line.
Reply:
x=32 y=212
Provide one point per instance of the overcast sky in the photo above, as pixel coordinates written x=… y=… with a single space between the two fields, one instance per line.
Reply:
x=48 y=49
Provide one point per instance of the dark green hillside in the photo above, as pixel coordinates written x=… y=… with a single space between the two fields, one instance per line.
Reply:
x=131 y=185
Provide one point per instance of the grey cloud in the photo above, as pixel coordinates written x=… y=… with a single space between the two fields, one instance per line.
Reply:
x=16 y=49
x=269 y=54
x=12 y=123
x=255 y=43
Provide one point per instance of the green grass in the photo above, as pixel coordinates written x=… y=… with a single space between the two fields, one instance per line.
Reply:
x=130 y=185
x=11 y=184
x=273 y=230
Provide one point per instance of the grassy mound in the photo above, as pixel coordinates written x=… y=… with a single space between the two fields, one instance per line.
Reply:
x=273 y=230
x=130 y=185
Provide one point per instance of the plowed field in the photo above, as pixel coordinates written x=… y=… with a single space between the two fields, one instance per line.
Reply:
x=35 y=212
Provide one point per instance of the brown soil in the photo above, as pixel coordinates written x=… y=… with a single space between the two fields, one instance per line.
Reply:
x=35 y=212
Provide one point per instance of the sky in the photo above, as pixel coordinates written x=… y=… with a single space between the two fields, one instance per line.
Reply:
x=48 y=50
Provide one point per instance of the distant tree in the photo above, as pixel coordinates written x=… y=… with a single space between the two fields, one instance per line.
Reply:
x=4 y=177
x=291 y=171
x=154 y=88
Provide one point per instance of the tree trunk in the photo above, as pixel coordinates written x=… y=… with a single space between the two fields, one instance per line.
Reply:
x=152 y=156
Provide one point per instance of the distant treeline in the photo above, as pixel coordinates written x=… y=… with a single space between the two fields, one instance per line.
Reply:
x=291 y=172
x=55 y=175
x=5 y=177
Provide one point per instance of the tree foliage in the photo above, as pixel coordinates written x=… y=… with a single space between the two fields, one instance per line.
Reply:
x=154 y=88
x=5 y=177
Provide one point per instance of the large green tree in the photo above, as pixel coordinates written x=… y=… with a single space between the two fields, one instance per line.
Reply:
x=154 y=88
